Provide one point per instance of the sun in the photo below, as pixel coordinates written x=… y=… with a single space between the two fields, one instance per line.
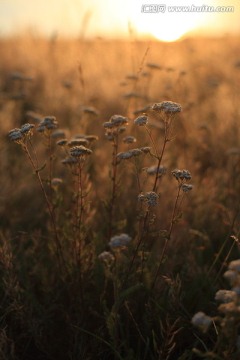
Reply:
x=167 y=26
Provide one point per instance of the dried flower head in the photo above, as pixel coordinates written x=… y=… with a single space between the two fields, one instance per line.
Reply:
x=145 y=149
x=129 y=140
x=26 y=129
x=153 y=170
x=106 y=257
x=201 y=321
x=118 y=120
x=186 y=187
x=234 y=265
x=124 y=155
x=150 y=198
x=141 y=120
x=62 y=142
x=119 y=241
x=232 y=276
x=70 y=161
x=77 y=142
x=226 y=296
x=181 y=174
x=15 y=135
x=168 y=107
x=49 y=123
x=135 y=152
x=78 y=151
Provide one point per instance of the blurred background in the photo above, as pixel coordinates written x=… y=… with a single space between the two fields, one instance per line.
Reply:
x=113 y=18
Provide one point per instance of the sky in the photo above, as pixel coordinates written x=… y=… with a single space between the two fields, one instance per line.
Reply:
x=113 y=18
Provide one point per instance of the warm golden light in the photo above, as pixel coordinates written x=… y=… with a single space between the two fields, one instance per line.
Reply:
x=167 y=25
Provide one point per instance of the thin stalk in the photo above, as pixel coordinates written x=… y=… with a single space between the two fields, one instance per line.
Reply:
x=49 y=206
x=114 y=185
x=167 y=239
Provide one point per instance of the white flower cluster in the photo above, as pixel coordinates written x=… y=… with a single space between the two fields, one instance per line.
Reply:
x=119 y=241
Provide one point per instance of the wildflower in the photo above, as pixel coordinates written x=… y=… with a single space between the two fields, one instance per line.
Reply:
x=76 y=142
x=69 y=161
x=109 y=136
x=119 y=241
x=150 y=198
x=232 y=276
x=124 y=155
x=135 y=152
x=234 y=265
x=225 y=296
x=26 y=129
x=229 y=308
x=201 y=321
x=145 y=149
x=48 y=123
x=15 y=135
x=108 y=125
x=78 y=151
x=152 y=170
x=118 y=120
x=129 y=139
x=168 y=107
x=181 y=174
x=62 y=142
x=186 y=187
x=106 y=257
x=141 y=120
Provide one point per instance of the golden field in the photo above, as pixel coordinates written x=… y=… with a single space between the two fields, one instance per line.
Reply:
x=110 y=254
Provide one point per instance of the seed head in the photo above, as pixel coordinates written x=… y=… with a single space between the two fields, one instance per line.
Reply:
x=135 y=152
x=141 y=120
x=124 y=155
x=150 y=198
x=168 y=107
x=129 y=140
x=119 y=241
x=48 y=123
x=153 y=170
x=201 y=321
x=15 y=135
x=234 y=265
x=118 y=120
x=146 y=149
x=70 y=161
x=78 y=151
x=26 y=129
x=76 y=142
x=106 y=257
x=62 y=142
x=186 y=187
x=181 y=174
x=225 y=296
